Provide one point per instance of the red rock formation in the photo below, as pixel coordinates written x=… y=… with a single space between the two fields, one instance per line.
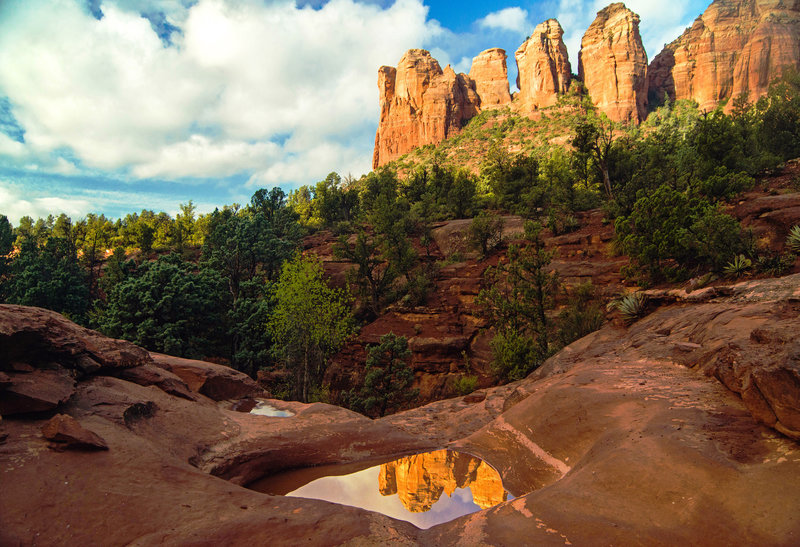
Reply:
x=420 y=104
x=490 y=74
x=421 y=479
x=613 y=64
x=544 y=67
x=736 y=47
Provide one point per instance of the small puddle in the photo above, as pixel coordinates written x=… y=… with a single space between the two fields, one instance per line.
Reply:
x=423 y=489
x=264 y=409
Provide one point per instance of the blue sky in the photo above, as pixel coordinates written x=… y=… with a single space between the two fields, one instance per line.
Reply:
x=113 y=106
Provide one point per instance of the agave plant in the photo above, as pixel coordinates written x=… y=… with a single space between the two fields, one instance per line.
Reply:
x=738 y=266
x=631 y=306
x=793 y=240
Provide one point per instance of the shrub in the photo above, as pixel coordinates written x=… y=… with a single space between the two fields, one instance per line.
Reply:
x=738 y=266
x=465 y=385
x=631 y=307
x=793 y=240
x=485 y=232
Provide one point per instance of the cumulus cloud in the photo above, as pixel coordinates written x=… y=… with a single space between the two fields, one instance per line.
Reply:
x=17 y=204
x=513 y=19
x=239 y=76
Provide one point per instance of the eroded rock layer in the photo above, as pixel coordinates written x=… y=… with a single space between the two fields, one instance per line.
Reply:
x=613 y=64
x=544 y=70
x=737 y=47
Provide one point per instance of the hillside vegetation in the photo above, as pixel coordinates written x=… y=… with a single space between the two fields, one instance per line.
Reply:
x=233 y=285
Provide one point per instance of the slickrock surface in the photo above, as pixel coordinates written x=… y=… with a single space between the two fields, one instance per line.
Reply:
x=736 y=47
x=490 y=74
x=613 y=64
x=544 y=67
x=633 y=435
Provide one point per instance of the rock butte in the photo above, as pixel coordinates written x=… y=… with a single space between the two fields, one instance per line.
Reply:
x=736 y=48
x=668 y=432
x=612 y=64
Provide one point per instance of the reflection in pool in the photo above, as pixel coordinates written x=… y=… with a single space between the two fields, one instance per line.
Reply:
x=409 y=488
x=264 y=409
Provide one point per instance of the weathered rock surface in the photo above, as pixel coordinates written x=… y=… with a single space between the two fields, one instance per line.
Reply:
x=626 y=436
x=216 y=382
x=66 y=433
x=737 y=47
x=490 y=74
x=613 y=64
x=420 y=104
x=544 y=70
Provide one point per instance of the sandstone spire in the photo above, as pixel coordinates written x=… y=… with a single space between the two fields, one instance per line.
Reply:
x=420 y=104
x=490 y=74
x=543 y=67
x=613 y=64
x=736 y=47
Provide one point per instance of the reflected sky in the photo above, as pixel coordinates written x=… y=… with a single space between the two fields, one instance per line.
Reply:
x=264 y=409
x=423 y=489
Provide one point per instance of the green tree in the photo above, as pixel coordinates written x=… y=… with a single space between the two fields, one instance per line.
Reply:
x=373 y=276
x=168 y=306
x=387 y=385
x=49 y=276
x=515 y=303
x=485 y=232
x=6 y=246
x=310 y=321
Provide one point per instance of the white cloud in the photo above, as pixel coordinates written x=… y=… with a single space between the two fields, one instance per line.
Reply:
x=15 y=204
x=513 y=19
x=240 y=75
x=199 y=156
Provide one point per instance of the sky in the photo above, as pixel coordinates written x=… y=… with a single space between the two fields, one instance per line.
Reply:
x=114 y=106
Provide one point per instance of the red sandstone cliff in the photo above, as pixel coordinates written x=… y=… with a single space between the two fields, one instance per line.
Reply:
x=420 y=104
x=490 y=74
x=736 y=47
x=544 y=68
x=613 y=64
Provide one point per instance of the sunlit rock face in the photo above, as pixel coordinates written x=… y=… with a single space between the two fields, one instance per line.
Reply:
x=490 y=74
x=544 y=67
x=613 y=64
x=420 y=104
x=735 y=48
x=420 y=480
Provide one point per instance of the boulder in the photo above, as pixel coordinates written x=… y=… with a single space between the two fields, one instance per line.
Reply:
x=66 y=433
x=37 y=391
x=544 y=70
x=613 y=64
x=216 y=382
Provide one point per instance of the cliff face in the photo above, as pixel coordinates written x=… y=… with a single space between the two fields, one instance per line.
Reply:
x=613 y=64
x=735 y=48
x=420 y=480
x=544 y=68
x=490 y=74
x=420 y=104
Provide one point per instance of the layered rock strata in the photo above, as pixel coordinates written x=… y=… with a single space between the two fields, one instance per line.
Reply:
x=613 y=64
x=736 y=48
x=544 y=70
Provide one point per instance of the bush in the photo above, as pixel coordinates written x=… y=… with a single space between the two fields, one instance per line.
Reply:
x=793 y=240
x=631 y=307
x=515 y=354
x=465 y=385
x=485 y=232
